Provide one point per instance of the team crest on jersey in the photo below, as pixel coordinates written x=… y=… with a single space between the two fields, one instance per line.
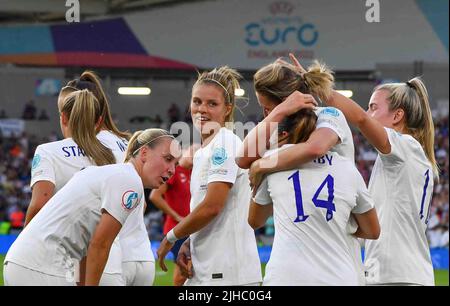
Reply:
x=219 y=156
x=330 y=111
x=130 y=199
x=36 y=161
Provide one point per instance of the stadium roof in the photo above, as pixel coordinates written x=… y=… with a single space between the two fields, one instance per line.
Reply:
x=32 y=11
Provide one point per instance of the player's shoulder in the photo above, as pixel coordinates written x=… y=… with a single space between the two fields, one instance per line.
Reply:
x=55 y=146
x=329 y=111
x=109 y=137
x=228 y=135
x=122 y=172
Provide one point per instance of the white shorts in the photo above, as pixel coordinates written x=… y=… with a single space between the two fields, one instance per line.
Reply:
x=108 y=279
x=138 y=273
x=16 y=275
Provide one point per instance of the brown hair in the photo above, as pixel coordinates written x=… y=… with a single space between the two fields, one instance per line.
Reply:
x=412 y=98
x=299 y=126
x=90 y=81
x=83 y=111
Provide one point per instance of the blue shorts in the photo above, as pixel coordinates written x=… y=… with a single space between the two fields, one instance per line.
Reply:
x=176 y=248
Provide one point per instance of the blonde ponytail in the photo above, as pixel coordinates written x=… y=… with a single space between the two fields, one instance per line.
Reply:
x=412 y=97
x=90 y=81
x=83 y=111
x=279 y=80
x=319 y=80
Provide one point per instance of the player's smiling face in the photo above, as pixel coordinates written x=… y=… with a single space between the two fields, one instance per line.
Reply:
x=208 y=108
x=160 y=162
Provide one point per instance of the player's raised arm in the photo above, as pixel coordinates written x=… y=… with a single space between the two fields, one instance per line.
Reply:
x=372 y=130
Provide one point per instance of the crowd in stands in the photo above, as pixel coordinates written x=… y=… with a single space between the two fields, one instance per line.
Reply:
x=17 y=152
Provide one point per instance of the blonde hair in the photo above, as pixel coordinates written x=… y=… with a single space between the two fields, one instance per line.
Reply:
x=90 y=81
x=83 y=111
x=148 y=137
x=412 y=98
x=228 y=80
x=279 y=80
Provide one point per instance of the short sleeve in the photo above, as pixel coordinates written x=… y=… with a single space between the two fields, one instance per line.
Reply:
x=222 y=164
x=262 y=196
x=120 y=196
x=42 y=167
x=332 y=118
x=364 y=201
x=397 y=155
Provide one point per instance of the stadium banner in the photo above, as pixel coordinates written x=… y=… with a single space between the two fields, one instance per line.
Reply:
x=11 y=127
x=47 y=87
x=242 y=34
x=439 y=256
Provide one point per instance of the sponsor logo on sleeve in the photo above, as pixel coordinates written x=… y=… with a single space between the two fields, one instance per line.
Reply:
x=130 y=199
x=36 y=161
x=330 y=111
x=219 y=156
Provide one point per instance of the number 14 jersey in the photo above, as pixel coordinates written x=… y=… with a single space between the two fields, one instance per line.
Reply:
x=312 y=206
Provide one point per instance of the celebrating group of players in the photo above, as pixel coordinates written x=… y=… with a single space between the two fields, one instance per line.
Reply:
x=85 y=221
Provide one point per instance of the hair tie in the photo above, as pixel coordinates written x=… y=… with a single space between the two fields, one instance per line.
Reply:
x=149 y=142
x=224 y=88
x=409 y=84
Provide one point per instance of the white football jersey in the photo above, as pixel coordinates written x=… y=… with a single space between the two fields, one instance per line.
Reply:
x=59 y=235
x=401 y=185
x=334 y=119
x=312 y=207
x=58 y=161
x=134 y=239
x=224 y=252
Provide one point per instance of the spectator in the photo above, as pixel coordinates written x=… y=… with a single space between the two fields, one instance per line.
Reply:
x=29 y=112
x=158 y=121
x=16 y=218
x=173 y=114
x=43 y=116
x=3 y=114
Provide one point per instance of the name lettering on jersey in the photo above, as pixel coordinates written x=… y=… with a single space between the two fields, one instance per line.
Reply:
x=73 y=151
x=326 y=159
x=122 y=146
x=130 y=199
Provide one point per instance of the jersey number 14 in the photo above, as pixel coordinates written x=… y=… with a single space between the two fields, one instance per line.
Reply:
x=327 y=204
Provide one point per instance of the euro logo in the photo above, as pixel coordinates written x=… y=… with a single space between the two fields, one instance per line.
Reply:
x=129 y=199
